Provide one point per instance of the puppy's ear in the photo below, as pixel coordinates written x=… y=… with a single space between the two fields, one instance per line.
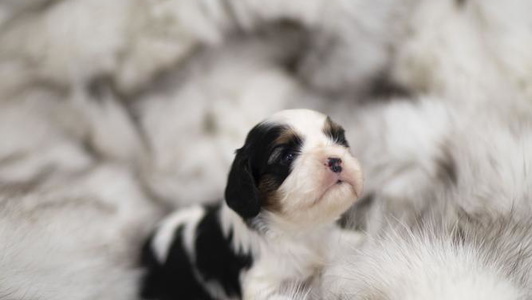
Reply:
x=241 y=193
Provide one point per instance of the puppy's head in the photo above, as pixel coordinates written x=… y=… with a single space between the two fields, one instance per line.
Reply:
x=295 y=166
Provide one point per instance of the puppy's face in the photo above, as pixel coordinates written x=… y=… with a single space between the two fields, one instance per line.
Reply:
x=295 y=166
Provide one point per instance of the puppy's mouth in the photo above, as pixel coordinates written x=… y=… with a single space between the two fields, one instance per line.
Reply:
x=352 y=185
x=339 y=182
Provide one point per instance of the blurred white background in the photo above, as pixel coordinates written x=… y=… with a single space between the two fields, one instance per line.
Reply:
x=115 y=112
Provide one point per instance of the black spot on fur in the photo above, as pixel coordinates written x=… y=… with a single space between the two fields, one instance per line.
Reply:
x=447 y=169
x=460 y=3
x=172 y=279
x=215 y=258
x=383 y=87
x=210 y=126
x=100 y=87
x=357 y=216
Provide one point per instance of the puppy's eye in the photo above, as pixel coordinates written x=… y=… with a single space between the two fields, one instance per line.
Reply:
x=283 y=155
x=288 y=157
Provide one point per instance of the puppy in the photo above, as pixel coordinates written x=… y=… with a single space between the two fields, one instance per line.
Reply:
x=288 y=184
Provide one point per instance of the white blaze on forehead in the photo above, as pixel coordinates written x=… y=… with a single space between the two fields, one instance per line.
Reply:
x=307 y=123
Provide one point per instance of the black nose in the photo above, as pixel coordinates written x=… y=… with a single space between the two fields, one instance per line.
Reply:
x=335 y=164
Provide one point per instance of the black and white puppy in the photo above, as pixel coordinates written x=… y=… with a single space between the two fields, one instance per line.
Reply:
x=288 y=184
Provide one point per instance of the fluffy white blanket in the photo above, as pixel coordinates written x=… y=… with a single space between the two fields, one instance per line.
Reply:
x=114 y=112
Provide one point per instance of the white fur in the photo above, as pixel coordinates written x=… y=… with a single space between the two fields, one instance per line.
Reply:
x=417 y=269
x=72 y=231
x=456 y=50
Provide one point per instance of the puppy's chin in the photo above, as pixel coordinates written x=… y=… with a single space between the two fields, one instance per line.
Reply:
x=312 y=211
x=328 y=208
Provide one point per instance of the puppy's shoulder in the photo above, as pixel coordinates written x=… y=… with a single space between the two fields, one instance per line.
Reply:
x=191 y=244
x=166 y=258
x=179 y=226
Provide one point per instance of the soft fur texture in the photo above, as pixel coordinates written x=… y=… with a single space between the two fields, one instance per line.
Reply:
x=112 y=112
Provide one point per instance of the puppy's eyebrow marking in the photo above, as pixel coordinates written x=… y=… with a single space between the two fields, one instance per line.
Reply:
x=288 y=136
x=335 y=132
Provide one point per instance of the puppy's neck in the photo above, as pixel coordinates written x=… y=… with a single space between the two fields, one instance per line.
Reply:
x=279 y=227
x=268 y=230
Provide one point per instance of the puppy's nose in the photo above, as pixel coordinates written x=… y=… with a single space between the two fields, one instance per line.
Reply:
x=335 y=164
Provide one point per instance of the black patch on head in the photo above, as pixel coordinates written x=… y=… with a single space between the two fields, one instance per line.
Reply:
x=267 y=154
x=335 y=132
x=172 y=279
x=215 y=258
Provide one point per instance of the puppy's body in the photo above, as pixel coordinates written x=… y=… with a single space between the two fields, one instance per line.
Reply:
x=288 y=184
x=209 y=253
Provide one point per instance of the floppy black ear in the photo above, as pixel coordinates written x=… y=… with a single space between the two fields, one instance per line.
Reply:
x=241 y=193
